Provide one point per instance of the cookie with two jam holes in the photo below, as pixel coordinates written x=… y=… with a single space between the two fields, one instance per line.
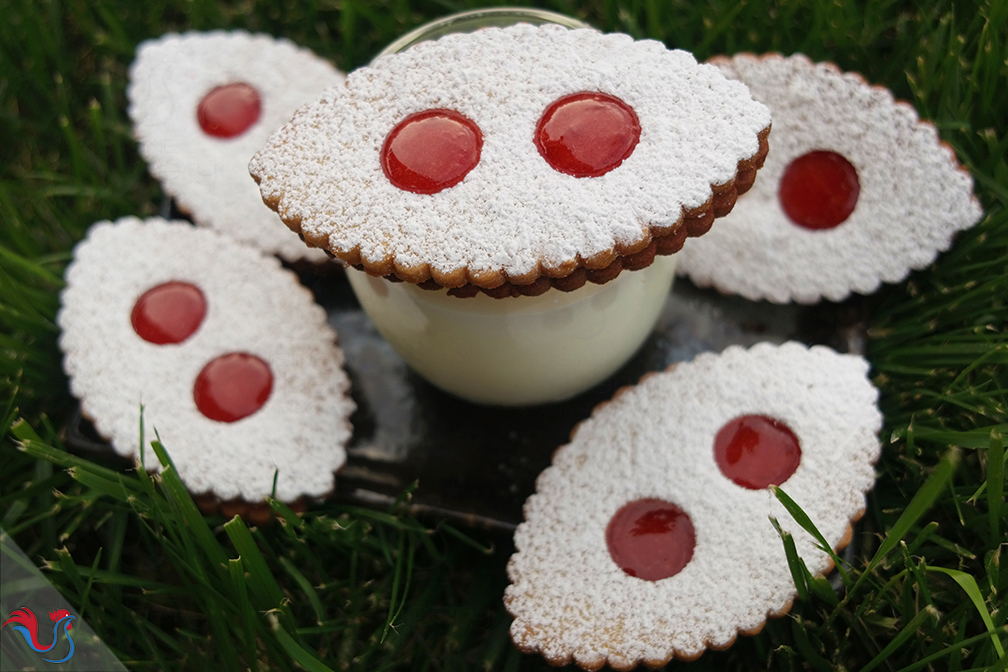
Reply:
x=211 y=339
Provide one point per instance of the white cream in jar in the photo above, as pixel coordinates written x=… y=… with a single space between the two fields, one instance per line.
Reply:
x=522 y=350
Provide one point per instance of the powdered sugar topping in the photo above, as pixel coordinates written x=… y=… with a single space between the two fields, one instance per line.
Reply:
x=252 y=306
x=512 y=214
x=569 y=598
x=208 y=176
x=913 y=198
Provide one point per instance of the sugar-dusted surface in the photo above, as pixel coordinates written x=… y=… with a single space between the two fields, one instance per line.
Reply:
x=914 y=196
x=208 y=176
x=513 y=216
x=253 y=306
x=570 y=600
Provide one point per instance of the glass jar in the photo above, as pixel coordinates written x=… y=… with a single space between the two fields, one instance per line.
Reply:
x=518 y=350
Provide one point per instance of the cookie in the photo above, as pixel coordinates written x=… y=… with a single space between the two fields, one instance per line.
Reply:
x=232 y=361
x=856 y=190
x=649 y=537
x=515 y=159
x=202 y=104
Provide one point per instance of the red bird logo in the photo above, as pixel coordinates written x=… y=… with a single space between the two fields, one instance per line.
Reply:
x=24 y=622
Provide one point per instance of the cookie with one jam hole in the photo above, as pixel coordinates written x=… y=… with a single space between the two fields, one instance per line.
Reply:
x=650 y=537
x=230 y=358
x=856 y=190
x=201 y=104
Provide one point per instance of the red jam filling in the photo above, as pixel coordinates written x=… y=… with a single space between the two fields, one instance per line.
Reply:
x=232 y=387
x=229 y=110
x=755 y=451
x=651 y=539
x=169 y=313
x=430 y=151
x=587 y=134
x=819 y=190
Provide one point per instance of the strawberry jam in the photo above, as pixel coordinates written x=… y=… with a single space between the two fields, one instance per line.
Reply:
x=651 y=539
x=587 y=134
x=819 y=190
x=168 y=313
x=755 y=451
x=232 y=387
x=229 y=110
x=430 y=151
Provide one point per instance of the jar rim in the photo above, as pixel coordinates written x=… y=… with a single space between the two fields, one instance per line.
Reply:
x=466 y=22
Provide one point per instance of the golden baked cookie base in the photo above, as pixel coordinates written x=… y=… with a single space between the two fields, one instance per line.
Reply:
x=598 y=269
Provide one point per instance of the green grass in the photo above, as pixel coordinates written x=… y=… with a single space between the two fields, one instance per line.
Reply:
x=341 y=588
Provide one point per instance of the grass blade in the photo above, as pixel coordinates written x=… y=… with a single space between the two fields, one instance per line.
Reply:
x=957 y=646
x=974 y=438
x=248 y=616
x=927 y=613
x=806 y=524
x=808 y=652
x=263 y=585
x=296 y=651
x=995 y=484
x=466 y=539
x=921 y=502
x=87 y=587
x=306 y=588
x=221 y=633
x=799 y=572
x=969 y=585
x=184 y=504
x=30 y=442
x=396 y=582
